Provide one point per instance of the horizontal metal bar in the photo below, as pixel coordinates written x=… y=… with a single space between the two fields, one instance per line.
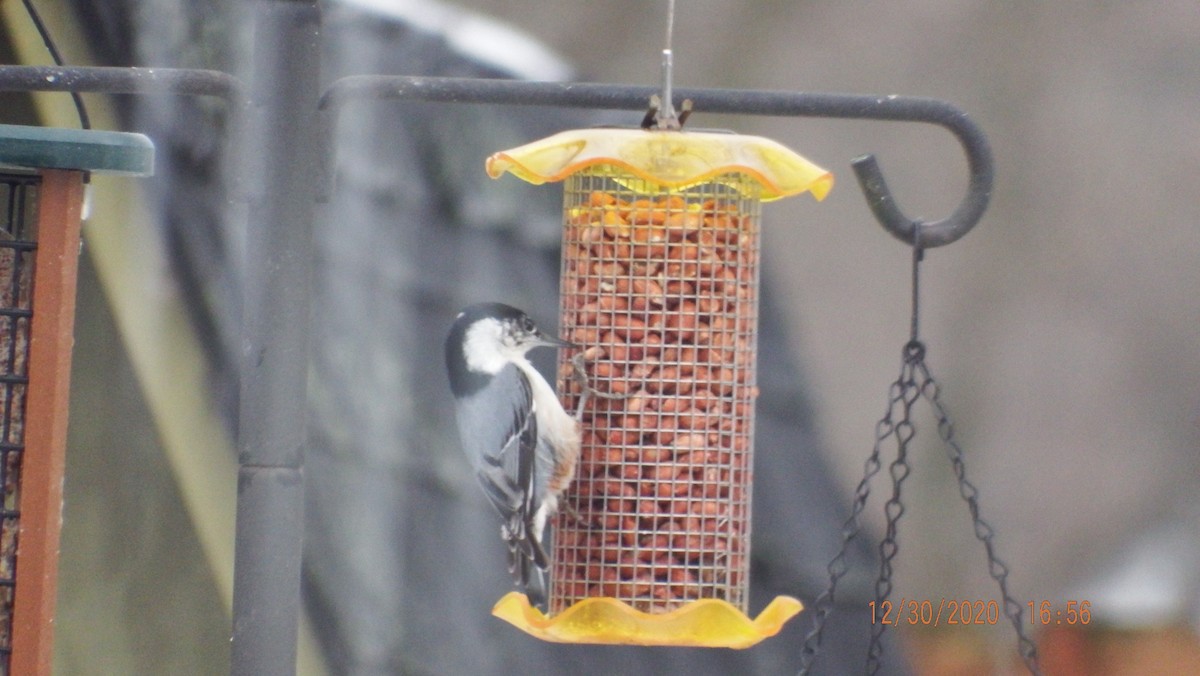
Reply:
x=110 y=80
x=583 y=95
x=637 y=97
x=892 y=108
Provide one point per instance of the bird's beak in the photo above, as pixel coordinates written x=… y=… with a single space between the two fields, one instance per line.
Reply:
x=552 y=341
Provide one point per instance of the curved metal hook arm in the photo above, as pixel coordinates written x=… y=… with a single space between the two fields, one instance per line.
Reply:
x=936 y=233
x=866 y=168
x=744 y=102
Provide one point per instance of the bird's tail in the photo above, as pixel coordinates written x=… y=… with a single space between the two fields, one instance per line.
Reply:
x=527 y=559
x=533 y=580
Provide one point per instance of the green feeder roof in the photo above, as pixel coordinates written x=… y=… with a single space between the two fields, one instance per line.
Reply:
x=107 y=152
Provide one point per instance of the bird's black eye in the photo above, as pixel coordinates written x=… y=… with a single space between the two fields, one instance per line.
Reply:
x=528 y=325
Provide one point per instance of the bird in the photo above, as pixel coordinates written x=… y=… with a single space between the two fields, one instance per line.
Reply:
x=520 y=441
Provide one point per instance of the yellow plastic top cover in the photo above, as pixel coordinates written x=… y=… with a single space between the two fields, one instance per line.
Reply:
x=672 y=159
x=707 y=623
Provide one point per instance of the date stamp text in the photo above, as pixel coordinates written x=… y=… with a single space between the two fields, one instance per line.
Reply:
x=930 y=613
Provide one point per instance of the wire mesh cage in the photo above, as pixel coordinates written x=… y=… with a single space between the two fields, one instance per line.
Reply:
x=18 y=194
x=659 y=287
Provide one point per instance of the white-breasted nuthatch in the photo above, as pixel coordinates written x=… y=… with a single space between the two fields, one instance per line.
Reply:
x=520 y=441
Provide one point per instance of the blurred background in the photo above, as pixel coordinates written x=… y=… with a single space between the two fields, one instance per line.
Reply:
x=1065 y=329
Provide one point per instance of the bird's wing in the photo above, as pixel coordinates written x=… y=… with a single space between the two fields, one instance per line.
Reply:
x=500 y=437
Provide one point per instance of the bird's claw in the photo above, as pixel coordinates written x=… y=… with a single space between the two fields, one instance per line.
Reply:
x=580 y=376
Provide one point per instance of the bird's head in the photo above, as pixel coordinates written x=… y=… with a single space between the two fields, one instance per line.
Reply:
x=488 y=336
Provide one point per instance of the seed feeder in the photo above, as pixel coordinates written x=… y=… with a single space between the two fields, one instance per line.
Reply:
x=41 y=188
x=659 y=289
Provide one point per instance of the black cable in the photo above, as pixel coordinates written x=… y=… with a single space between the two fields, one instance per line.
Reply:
x=84 y=121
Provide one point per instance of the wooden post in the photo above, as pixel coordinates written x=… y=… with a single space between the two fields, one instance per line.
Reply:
x=60 y=201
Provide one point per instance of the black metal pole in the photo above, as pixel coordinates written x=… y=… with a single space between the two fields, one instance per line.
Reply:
x=270 y=511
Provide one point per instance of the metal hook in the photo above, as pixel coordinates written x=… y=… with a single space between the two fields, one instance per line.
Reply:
x=965 y=216
x=932 y=234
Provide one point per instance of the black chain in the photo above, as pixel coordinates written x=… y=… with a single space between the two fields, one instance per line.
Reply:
x=893 y=509
x=838 y=567
x=931 y=391
x=915 y=382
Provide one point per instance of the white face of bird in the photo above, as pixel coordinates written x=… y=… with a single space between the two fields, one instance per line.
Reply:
x=492 y=343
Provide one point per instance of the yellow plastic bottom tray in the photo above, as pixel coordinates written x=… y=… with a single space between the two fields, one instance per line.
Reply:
x=711 y=623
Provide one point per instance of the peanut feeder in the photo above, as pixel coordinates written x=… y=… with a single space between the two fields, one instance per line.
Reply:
x=659 y=288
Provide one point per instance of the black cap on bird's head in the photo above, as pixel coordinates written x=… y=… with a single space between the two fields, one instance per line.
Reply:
x=518 y=324
x=472 y=313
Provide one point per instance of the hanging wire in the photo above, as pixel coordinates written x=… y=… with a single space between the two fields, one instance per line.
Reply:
x=666 y=110
x=670 y=24
x=84 y=121
x=915 y=382
x=662 y=113
x=918 y=255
